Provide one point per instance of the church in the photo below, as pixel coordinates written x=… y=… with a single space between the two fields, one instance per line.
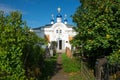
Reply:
x=58 y=30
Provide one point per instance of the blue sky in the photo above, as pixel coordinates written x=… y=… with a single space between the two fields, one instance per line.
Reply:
x=38 y=12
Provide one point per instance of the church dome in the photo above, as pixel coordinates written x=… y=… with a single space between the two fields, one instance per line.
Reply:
x=65 y=20
x=59 y=16
x=52 y=20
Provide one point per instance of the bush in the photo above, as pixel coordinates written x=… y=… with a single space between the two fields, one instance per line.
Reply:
x=49 y=68
x=18 y=49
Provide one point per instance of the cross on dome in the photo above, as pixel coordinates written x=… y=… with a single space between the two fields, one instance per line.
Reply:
x=65 y=19
x=58 y=9
x=52 y=16
x=58 y=17
x=65 y=16
x=52 y=20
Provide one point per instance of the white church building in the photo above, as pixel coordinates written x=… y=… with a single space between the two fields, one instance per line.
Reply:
x=59 y=30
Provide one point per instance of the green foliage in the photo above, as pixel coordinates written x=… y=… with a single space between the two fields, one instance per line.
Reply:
x=98 y=27
x=49 y=68
x=11 y=37
x=70 y=65
x=17 y=43
x=11 y=64
x=114 y=58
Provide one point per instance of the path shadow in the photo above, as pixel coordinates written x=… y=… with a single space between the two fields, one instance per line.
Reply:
x=58 y=67
x=49 y=68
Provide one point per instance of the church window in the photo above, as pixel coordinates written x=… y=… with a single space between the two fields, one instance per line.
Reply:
x=60 y=31
x=56 y=31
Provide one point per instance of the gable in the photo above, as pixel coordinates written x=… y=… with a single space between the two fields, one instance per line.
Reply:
x=59 y=25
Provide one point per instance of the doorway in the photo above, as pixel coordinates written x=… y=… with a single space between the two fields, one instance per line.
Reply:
x=60 y=44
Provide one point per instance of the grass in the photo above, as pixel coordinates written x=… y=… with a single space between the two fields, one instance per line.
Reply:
x=70 y=65
x=76 y=76
x=74 y=68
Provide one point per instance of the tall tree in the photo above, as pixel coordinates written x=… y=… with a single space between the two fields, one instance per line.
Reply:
x=16 y=42
x=11 y=38
x=98 y=27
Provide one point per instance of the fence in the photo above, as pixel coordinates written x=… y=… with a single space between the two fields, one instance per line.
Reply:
x=102 y=69
x=106 y=71
x=86 y=73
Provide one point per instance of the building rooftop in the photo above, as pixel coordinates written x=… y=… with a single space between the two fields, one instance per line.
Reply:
x=50 y=25
x=52 y=21
x=45 y=26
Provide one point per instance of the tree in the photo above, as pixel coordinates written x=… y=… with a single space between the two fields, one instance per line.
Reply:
x=10 y=45
x=98 y=27
x=16 y=42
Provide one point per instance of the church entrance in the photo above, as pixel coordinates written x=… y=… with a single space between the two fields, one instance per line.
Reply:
x=60 y=44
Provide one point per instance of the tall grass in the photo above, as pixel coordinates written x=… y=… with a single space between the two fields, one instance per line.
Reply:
x=70 y=65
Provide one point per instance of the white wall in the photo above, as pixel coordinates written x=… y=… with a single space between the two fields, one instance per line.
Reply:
x=51 y=31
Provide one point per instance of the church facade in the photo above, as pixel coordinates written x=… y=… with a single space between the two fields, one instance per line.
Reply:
x=59 y=31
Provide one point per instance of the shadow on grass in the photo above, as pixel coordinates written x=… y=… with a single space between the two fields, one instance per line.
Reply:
x=48 y=69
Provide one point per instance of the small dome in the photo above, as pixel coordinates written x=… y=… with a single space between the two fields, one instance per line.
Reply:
x=52 y=20
x=66 y=20
x=59 y=16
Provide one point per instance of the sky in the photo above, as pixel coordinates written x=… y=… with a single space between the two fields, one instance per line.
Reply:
x=38 y=12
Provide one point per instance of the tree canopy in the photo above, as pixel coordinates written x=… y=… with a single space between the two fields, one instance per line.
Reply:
x=98 y=27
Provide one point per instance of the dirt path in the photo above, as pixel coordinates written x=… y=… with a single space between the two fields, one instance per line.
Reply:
x=60 y=74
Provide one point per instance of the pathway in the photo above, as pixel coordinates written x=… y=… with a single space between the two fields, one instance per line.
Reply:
x=60 y=74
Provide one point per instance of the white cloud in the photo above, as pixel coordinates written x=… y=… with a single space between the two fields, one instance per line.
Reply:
x=7 y=8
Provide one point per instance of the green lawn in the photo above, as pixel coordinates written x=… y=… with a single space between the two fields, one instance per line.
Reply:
x=74 y=68
x=70 y=65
